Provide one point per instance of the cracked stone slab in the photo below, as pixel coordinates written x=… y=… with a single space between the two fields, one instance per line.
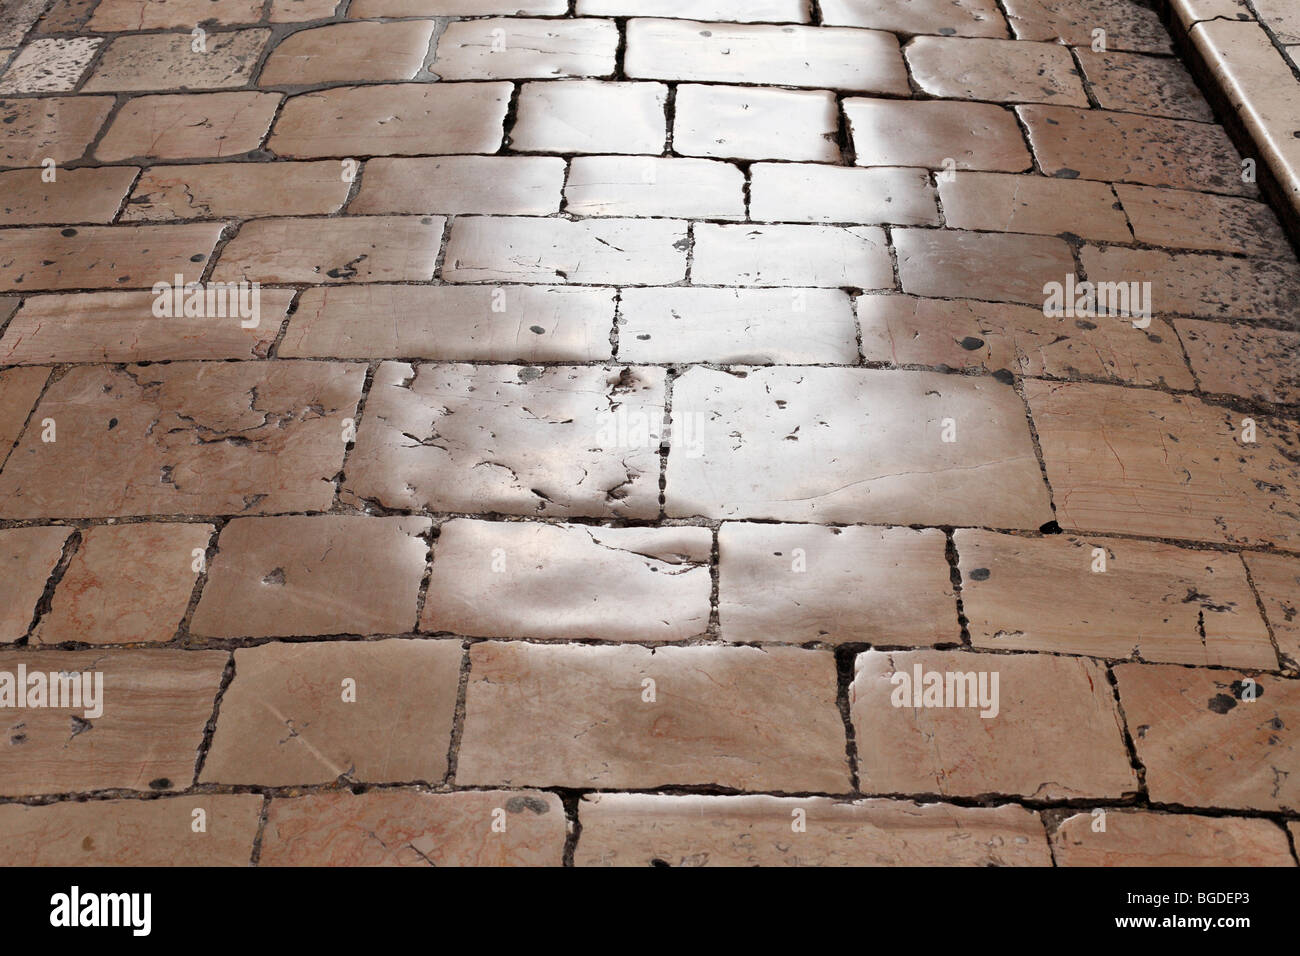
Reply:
x=374 y=712
x=185 y=438
x=127 y=584
x=76 y=196
x=112 y=16
x=236 y=191
x=1002 y=268
x=591 y=116
x=50 y=127
x=1157 y=85
x=452 y=323
x=633 y=829
x=1255 y=363
x=49 y=66
x=931 y=133
x=800 y=583
x=349 y=52
x=132 y=832
x=299 y=575
x=19 y=390
x=1205 y=743
x=415 y=828
x=766 y=11
x=156 y=704
x=1144 y=838
x=188 y=126
x=556 y=441
x=1277 y=581
x=654 y=186
x=1166 y=466
x=514 y=48
x=791 y=255
x=1000 y=71
x=168 y=61
x=569 y=582
x=852 y=445
x=966 y=18
x=1056 y=735
x=743 y=122
x=584 y=716
x=28 y=557
x=1151 y=601
x=809 y=192
x=1168 y=217
x=1127 y=25
x=1032 y=204
x=456 y=185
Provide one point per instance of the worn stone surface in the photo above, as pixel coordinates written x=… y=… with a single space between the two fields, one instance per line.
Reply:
x=188 y=126
x=1168 y=217
x=591 y=116
x=168 y=61
x=790 y=255
x=767 y=11
x=28 y=557
x=930 y=132
x=54 y=127
x=526 y=49
x=453 y=185
x=1255 y=363
x=807 y=192
x=1277 y=582
x=114 y=15
x=1142 y=838
x=78 y=195
x=236 y=191
x=651 y=186
x=49 y=66
x=19 y=390
x=733 y=122
x=1128 y=26
x=1001 y=268
x=1032 y=204
x=349 y=52
x=1003 y=71
x=966 y=18
x=1160 y=86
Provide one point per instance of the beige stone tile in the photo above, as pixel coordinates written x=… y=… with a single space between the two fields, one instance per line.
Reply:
x=1277 y=581
x=28 y=557
x=808 y=192
x=49 y=66
x=415 y=828
x=188 y=126
x=1097 y=144
x=121 y=327
x=168 y=61
x=966 y=18
x=1003 y=71
x=569 y=582
x=453 y=323
x=1158 y=85
x=1001 y=268
x=632 y=829
x=112 y=16
x=1138 y=599
x=399 y=118
x=1055 y=734
x=133 y=832
x=1255 y=363
x=19 y=390
x=852 y=445
x=50 y=127
x=299 y=11
x=584 y=716
x=1280 y=17
x=591 y=116
x=186 y=438
x=1205 y=743
x=526 y=49
x=349 y=52
x=101 y=257
x=819 y=57
x=76 y=195
x=440 y=8
x=361 y=249
x=127 y=584
x=20 y=15
x=552 y=442
x=766 y=11
x=1143 y=838
x=237 y=191
x=456 y=185
x=935 y=135
x=1127 y=25
x=737 y=325
x=651 y=186
x=798 y=583
x=607 y=251
x=792 y=255
x=1191 y=220
x=1032 y=204
x=370 y=711
x=299 y=575
x=155 y=704
x=735 y=122
x=65 y=16
x=1143 y=462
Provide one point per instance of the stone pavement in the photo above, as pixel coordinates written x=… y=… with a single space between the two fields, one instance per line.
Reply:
x=735 y=431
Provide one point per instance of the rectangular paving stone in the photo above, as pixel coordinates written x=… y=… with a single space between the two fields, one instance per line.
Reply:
x=132 y=832
x=369 y=711
x=1032 y=204
x=50 y=127
x=807 y=192
x=1144 y=838
x=126 y=584
x=966 y=18
x=552 y=442
x=1205 y=743
x=737 y=325
x=591 y=116
x=584 y=716
x=361 y=249
x=103 y=257
x=606 y=251
x=112 y=16
x=852 y=445
x=1001 y=268
x=1277 y=582
x=798 y=583
x=792 y=255
x=1128 y=25
x=299 y=575
x=633 y=829
x=741 y=122
x=456 y=185
x=298 y=11
x=1169 y=217
x=1255 y=363
x=1056 y=733
x=349 y=52
x=966 y=334
x=28 y=557
x=452 y=323
x=929 y=133
x=765 y=11
x=820 y=57
x=415 y=828
x=1139 y=599
x=186 y=438
x=65 y=16
x=1001 y=71
x=392 y=119
x=49 y=66
x=526 y=49
x=76 y=195
x=439 y=8
x=651 y=186
x=236 y=191
x=168 y=61
x=569 y=582
x=1164 y=465
x=19 y=390
x=1097 y=144
x=155 y=704
x=188 y=126
x=1158 y=85
x=121 y=327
